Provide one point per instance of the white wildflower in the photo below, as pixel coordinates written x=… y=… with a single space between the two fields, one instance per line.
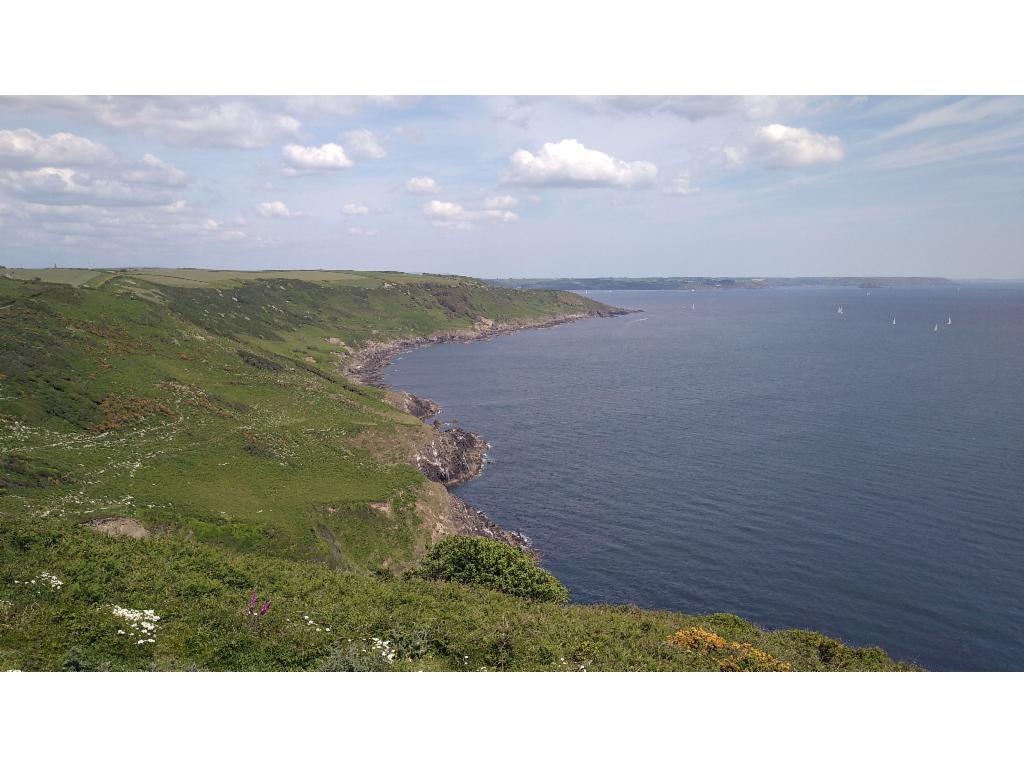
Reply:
x=50 y=579
x=141 y=620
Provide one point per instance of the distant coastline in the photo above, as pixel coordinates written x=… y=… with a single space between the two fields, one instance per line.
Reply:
x=706 y=283
x=368 y=363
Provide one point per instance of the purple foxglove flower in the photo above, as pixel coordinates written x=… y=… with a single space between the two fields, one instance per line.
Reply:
x=253 y=600
x=265 y=607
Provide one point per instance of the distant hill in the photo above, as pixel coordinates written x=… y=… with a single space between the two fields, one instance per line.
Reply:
x=702 y=283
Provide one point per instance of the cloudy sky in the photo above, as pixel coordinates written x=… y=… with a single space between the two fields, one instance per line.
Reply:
x=508 y=187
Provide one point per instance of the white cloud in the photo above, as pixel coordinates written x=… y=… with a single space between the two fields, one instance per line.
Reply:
x=65 y=186
x=422 y=185
x=682 y=185
x=346 y=106
x=275 y=210
x=198 y=120
x=454 y=216
x=968 y=111
x=117 y=230
x=154 y=171
x=355 y=209
x=689 y=107
x=364 y=143
x=570 y=164
x=735 y=156
x=25 y=147
x=952 y=148
x=363 y=232
x=694 y=107
x=519 y=112
x=66 y=170
x=766 y=107
x=954 y=132
x=780 y=146
x=501 y=202
x=299 y=159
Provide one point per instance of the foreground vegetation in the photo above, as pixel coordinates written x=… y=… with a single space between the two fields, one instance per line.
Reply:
x=265 y=514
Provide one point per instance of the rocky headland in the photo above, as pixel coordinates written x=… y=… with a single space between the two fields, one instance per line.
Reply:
x=366 y=365
x=453 y=455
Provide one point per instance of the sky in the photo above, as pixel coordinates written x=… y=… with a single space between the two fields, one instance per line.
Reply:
x=518 y=186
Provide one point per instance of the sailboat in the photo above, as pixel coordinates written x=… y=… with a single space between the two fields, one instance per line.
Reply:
x=949 y=321
x=894 y=321
x=936 y=328
x=693 y=306
x=840 y=310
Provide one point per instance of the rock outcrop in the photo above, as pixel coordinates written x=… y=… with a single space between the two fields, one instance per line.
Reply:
x=470 y=521
x=420 y=407
x=452 y=456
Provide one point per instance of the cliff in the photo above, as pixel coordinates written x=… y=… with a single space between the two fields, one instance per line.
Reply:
x=172 y=441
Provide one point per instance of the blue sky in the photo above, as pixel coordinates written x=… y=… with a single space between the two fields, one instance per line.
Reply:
x=510 y=187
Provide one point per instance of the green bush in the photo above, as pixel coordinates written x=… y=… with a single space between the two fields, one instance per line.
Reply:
x=491 y=564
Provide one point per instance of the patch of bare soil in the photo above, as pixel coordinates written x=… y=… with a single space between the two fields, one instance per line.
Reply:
x=123 y=527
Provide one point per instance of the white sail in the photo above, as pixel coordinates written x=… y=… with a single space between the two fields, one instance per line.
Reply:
x=894 y=321
x=840 y=310
x=936 y=328
x=949 y=321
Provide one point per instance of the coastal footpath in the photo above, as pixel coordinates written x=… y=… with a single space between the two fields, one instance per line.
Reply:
x=196 y=473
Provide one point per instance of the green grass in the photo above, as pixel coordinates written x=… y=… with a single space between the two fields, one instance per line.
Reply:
x=215 y=415
x=200 y=591
x=221 y=278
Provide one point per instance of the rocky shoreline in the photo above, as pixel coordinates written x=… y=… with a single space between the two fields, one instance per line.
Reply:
x=454 y=455
x=367 y=364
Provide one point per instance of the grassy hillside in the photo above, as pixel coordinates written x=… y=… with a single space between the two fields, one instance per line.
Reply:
x=208 y=409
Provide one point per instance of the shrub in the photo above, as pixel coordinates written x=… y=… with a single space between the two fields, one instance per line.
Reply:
x=730 y=656
x=491 y=564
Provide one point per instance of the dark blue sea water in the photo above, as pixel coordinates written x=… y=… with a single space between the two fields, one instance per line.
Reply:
x=751 y=451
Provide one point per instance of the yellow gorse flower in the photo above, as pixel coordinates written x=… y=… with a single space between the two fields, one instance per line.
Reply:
x=731 y=656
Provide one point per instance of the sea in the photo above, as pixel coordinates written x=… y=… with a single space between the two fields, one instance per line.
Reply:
x=757 y=452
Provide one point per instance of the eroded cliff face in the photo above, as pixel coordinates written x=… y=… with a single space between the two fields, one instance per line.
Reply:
x=470 y=521
x=445 y=514
x=452 y=455
x=420 y=407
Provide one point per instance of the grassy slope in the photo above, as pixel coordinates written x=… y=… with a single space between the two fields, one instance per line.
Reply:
x=207 y=405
